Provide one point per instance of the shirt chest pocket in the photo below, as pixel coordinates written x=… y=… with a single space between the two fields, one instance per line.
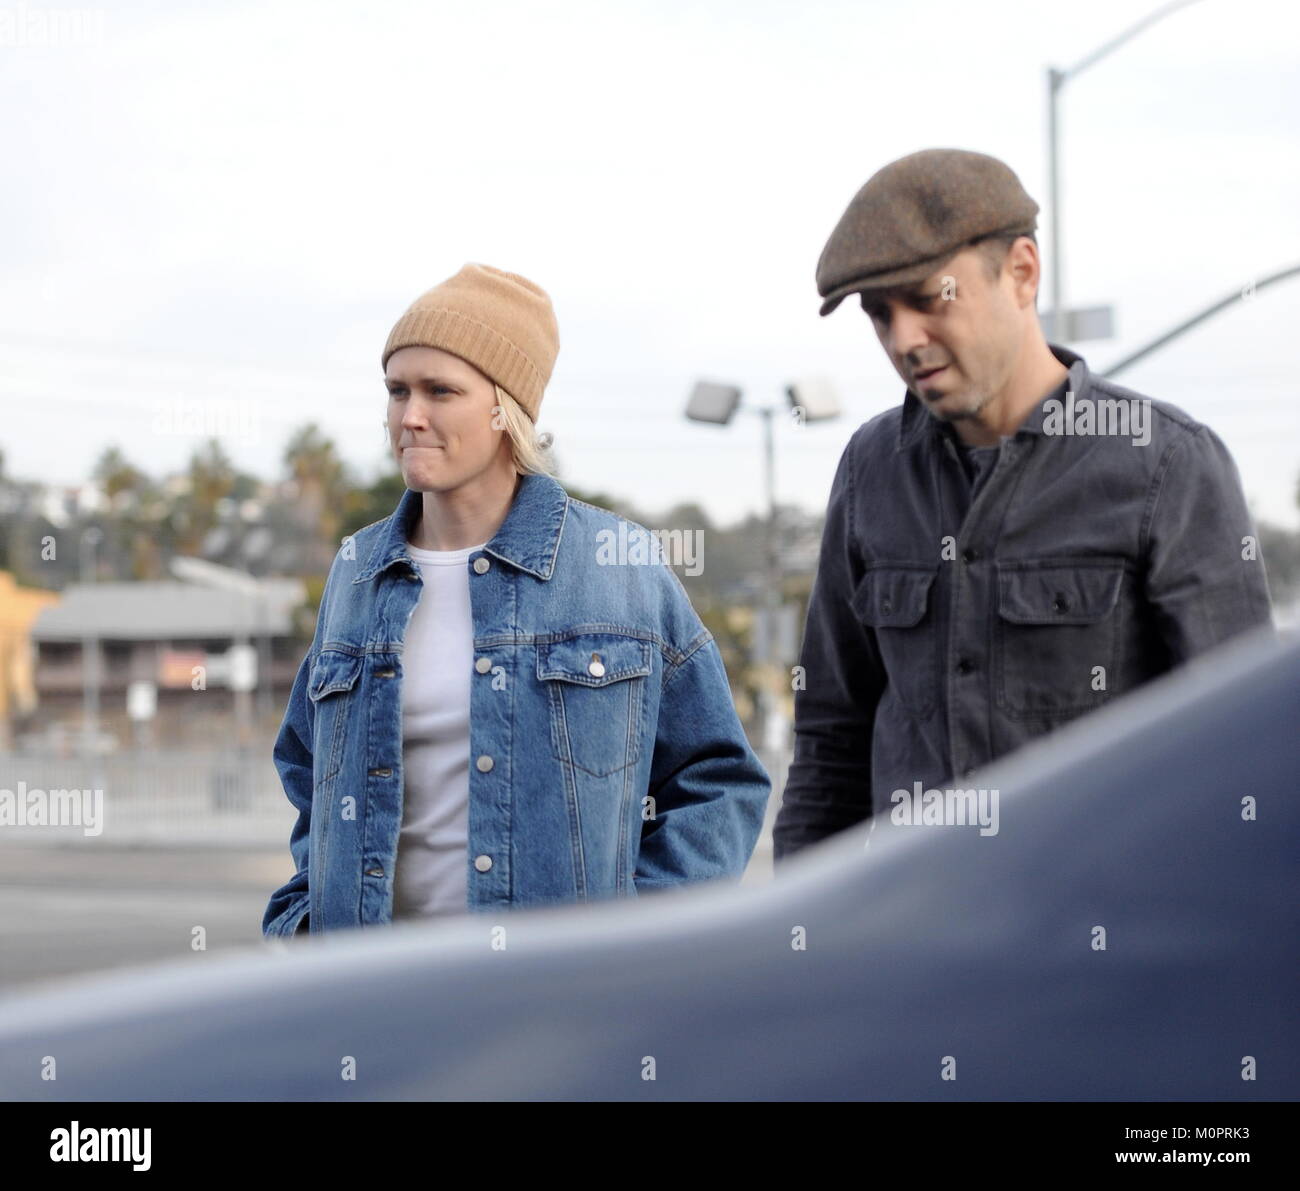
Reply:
x=595 y=691
x=895 y=603
x=330 y=684
x=1056 y=635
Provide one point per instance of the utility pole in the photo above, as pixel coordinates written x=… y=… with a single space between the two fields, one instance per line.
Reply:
x=1061 y=322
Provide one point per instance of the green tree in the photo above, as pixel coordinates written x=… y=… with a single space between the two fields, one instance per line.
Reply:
x=320 y=484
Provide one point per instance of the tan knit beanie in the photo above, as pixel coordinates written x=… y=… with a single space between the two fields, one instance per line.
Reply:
x=500 y=322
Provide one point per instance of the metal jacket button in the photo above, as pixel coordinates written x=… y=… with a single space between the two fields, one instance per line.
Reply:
x=483 y=764
x=597 y=668
x=481 y=564
x=482 y=863
x=483 y=665
x=374 y=872
x=381 y=773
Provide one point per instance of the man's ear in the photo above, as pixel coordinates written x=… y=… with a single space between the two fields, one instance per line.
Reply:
x=1026 y=270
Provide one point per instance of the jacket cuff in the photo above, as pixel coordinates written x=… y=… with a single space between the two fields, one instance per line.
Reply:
x=293 y=922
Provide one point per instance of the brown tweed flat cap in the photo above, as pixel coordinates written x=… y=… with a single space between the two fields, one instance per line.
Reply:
x=915 y=214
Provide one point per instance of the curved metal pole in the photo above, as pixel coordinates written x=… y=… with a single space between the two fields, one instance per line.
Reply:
x=1056 y=80
x=1209 y=311
x=1116 y=42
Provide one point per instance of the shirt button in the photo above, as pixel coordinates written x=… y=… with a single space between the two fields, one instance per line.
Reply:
x=968 y=556
x=484 y=763
x=481 y=565
x=482 y=863
x=374 y=872
x=1061 y=603
x=483 y=665
x=964 y=666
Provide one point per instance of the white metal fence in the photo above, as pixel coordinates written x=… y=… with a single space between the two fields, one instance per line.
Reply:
x=156 y=796
x=170 y=797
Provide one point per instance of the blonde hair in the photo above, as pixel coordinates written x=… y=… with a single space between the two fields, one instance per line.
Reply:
x=530 y=451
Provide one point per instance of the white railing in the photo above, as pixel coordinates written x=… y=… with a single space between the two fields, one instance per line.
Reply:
x=170 y=797
x=156 y=796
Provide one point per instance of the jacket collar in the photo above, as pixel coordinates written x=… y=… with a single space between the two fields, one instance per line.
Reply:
x=529 y=537
x=915 y=419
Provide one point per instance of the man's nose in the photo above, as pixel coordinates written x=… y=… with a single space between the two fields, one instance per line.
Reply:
x=907 y=333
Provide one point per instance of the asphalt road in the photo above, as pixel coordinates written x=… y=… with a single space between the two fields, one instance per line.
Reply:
x=66 y=911
x=71 y=910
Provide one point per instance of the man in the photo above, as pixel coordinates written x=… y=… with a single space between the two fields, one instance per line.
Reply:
x=1015 y=545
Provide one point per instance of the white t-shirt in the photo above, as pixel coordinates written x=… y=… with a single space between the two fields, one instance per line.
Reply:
x=438 y=658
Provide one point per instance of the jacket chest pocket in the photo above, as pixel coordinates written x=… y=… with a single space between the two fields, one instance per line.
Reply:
x=1056 y=635
x=595 y=689
x=330 y=684
x=895 y=602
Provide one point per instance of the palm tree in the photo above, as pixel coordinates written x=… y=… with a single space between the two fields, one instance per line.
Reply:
x=319 y=484
x=211 y=479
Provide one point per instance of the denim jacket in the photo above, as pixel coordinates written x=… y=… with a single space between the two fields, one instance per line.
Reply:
x=605 y=756
x=947 y=628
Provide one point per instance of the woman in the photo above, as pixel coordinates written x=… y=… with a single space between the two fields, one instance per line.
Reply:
x=493 y=711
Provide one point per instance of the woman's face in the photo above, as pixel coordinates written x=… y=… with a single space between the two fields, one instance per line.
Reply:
x=440 y=419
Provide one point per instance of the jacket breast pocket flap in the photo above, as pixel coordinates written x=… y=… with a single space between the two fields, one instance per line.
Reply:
x=1056 y=637
x=594 y=659
x=894 y=602
x=893 y=598
x=596 y=698
x=333 y=671
x=1059 y=594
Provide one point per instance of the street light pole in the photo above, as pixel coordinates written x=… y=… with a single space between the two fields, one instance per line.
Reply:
x=1056 y=80
x=814 y=400
x=90 y=677
x=773 y=574
x=772 y=594
x=1210 y=311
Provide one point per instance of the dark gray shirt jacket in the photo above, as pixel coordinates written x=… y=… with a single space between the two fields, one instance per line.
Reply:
x=967 y=601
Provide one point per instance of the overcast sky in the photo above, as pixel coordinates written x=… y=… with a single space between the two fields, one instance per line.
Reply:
x=217 y=211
